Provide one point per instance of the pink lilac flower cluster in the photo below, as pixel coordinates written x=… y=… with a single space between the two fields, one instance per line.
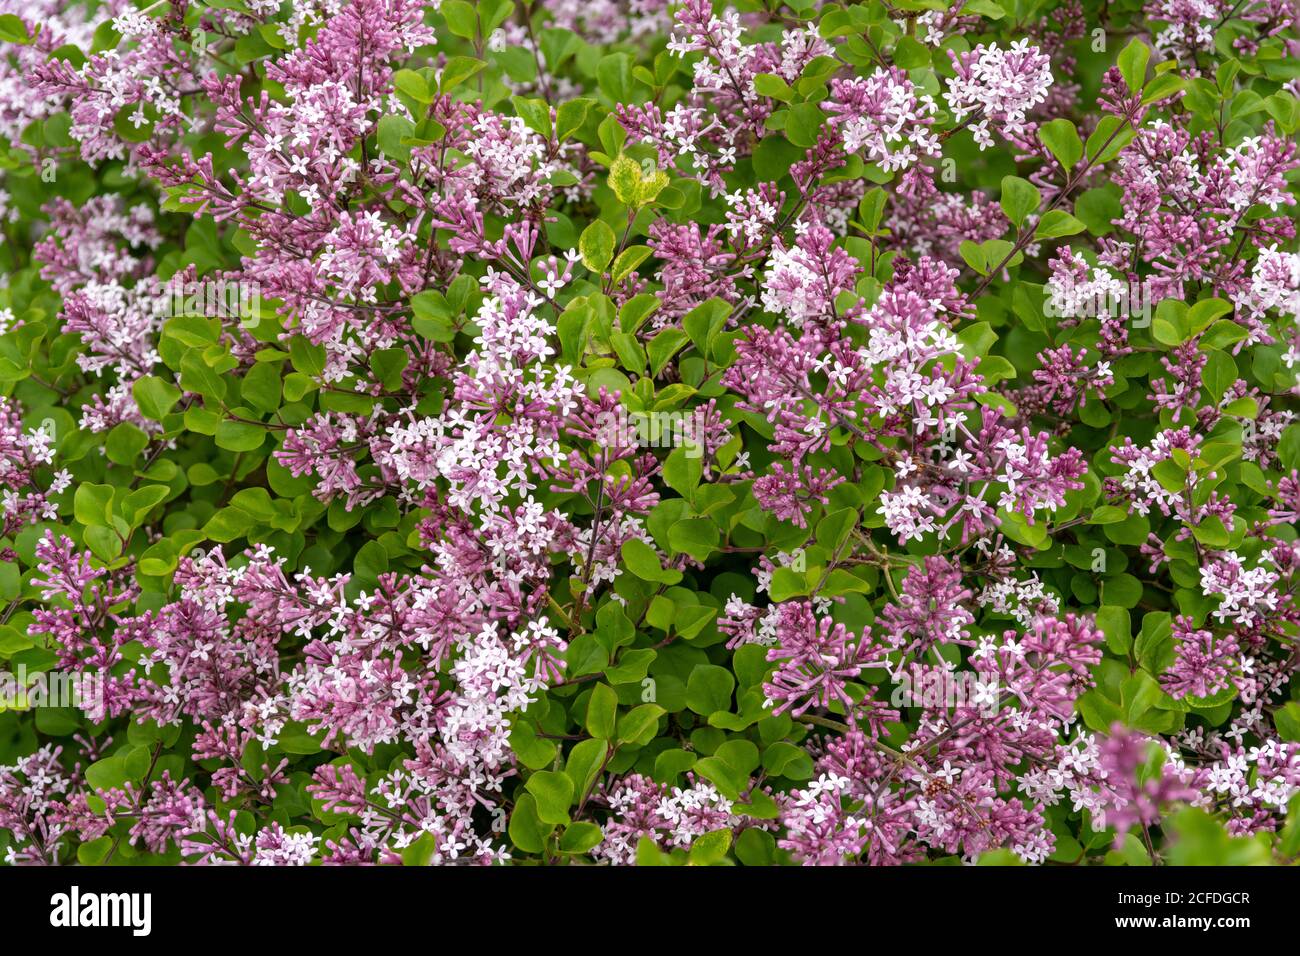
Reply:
x=949 y=787
x=28 y=482
x=997 y=89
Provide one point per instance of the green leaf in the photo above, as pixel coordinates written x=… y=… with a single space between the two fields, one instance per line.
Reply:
x=227 y=525
x=294 y=739
x=1201 y=840
x=602 y=709
x=92 y=504
x=803 y=124
x=1170 y=325
x=1111 y=135
x=704 y=322
x=683 y=470
x=698 y=537
x=784 y=759
x=1162 y=87
x=711 y=848
x=787 y=583
x=1219 y=374
x=663 y=347
x=1019 y=198
x=108 y=774
x=260 y=388
x=584 y=764
x=977 y=338
x=709 y=689
x=527 y=832
x=457 y=71
x=580 y=837
x=306 y=357
x=388 y=366
x=93 y=852
x=256 y=503
x=1058 y=223
x=638 y=726
x=571 y=116
x=643 y=561
x=1062 y=141
x=769 y=84
x=632 y=665
x=239 y=436
x=974 y=256
x=1116 y=625
x=536 y=114
x=628 y=261
x=910 y=53
x=198 y=376
x=1154 y=646
x=1211 y=532
x=124 y=443
x=1287 y=721
x=597 y=246
x=1132 y=64
x=871 y=210
x=461 y=17
x=1202 y=314
x=141 y=501
x=614 y=77
x=413 y=85
x=553 y=792
x=154 y=397
x=13 y=30
x=625 y=180
x=660 y=612
x=1097 y=209
x=1122 y=590
x=390 y=132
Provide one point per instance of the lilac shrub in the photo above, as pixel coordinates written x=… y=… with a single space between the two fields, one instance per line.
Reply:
x=491 y=432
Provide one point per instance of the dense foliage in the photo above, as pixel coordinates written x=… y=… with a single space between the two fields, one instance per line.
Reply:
x=631 y=431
